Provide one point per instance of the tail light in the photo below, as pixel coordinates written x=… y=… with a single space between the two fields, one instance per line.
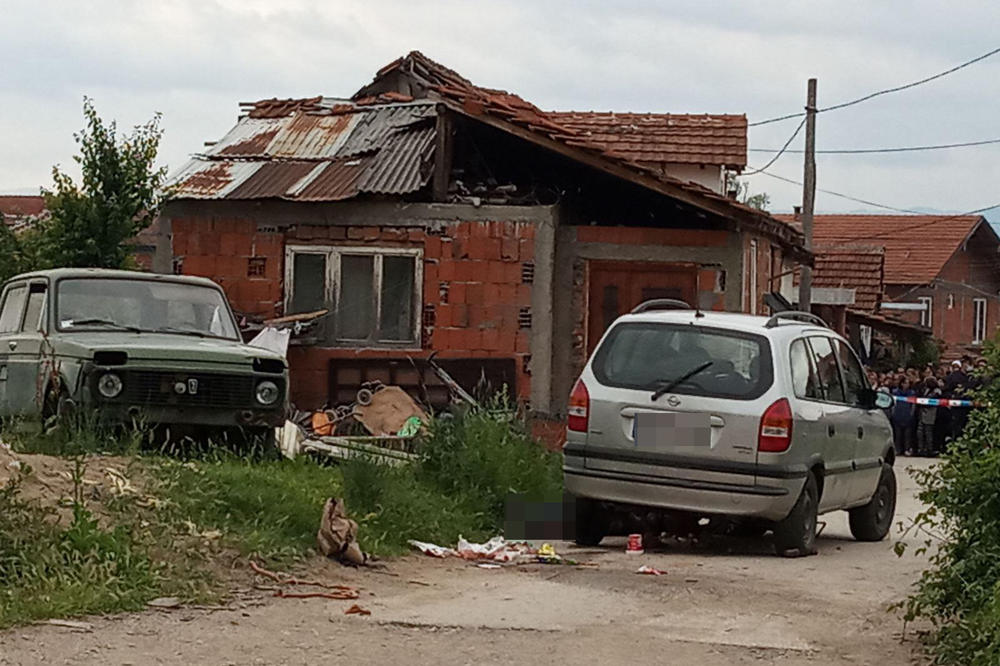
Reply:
x=578 y=415
x=776 y=428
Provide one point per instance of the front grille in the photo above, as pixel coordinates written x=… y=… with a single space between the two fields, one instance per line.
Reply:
x=152 y=387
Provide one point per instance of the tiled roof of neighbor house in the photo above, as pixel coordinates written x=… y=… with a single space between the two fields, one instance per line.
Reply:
x=17 y=205
x=317 y=149
x=857 y=267
x=658 y=139
x=916 y=246
x=19 y=210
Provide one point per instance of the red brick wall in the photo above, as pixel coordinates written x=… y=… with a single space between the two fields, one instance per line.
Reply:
x=473 y=290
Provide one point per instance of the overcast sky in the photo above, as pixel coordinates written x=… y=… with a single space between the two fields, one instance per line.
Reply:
x=195 y=60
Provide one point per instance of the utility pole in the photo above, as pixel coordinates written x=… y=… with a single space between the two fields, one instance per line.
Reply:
x=808 y=195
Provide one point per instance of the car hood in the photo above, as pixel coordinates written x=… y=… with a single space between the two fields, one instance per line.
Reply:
x=163 y=347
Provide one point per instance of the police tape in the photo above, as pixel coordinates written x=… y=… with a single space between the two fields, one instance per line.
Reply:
x=936 y=402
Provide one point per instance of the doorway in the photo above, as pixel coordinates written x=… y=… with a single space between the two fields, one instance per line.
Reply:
x=615 y=287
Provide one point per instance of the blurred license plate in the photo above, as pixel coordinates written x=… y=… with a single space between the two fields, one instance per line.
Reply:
x=671 y=429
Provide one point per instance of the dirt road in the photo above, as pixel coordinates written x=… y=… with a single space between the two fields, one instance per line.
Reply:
x=729 y=604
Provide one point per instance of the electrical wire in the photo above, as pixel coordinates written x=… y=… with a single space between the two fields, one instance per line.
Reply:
x=783 y=149
x=895 y=230
x=879 y=93
x=903 y=149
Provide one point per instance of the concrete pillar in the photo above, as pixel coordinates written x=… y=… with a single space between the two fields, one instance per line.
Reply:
x=542 y=317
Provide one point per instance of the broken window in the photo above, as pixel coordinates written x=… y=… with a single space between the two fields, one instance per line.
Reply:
x=373 y=293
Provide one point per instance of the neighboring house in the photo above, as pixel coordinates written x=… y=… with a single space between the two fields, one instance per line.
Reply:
x=948 y=263
x=19 y=211
x=429 y=214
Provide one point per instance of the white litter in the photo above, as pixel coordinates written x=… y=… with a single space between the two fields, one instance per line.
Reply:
x=272 y=339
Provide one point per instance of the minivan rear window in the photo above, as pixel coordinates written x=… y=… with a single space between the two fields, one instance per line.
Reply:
x=646 y=355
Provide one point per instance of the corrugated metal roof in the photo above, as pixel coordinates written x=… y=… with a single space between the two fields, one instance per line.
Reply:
x=334 y=182
x=376 y=126
x=403 y=164
x=271 y=180
x=319 y=151
x=215 y=179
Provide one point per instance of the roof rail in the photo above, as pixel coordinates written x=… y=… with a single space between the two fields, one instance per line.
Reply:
x=795 y=315
x=661 y=304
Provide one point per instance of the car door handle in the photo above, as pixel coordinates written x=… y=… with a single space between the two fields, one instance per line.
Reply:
x=12 y=344
x=831 y=431
x=861 y=432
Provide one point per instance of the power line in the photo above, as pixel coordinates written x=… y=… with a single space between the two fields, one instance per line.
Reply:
x=896 y=230
x=878 y=93
x=783 y=149
x=903 y=149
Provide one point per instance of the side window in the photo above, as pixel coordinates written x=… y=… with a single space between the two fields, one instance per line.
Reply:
x=804 y=381
x=13 y=305
x=35 y=312
x=827 y=369
x=854 y=377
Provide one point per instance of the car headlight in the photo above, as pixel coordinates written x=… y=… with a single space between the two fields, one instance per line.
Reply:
x=110 y=385
x=267 y=392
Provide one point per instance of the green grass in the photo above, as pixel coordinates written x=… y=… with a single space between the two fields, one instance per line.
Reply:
x=213 y=502
x=47 y=570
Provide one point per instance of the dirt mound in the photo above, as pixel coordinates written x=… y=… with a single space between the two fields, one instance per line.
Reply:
x=52 y=481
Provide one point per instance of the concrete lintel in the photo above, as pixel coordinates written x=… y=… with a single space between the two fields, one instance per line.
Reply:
x=354 y=213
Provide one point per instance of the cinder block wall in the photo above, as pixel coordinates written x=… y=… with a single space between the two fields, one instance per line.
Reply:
x=477 y=281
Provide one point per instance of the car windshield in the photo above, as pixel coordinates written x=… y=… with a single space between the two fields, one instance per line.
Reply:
x=651 y=356
x=143 y=306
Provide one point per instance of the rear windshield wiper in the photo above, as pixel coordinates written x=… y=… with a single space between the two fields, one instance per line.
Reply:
x=671 y=384
x=101 y=322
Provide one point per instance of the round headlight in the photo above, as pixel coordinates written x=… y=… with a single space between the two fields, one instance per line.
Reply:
x=267 y=392
x=109 y=385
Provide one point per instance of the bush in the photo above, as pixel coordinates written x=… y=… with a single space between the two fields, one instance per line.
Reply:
x=960 y=592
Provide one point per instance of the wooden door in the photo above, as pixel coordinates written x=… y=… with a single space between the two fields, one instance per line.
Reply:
x=617 y=287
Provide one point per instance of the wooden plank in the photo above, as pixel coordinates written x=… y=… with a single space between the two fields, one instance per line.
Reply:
x=442 y=155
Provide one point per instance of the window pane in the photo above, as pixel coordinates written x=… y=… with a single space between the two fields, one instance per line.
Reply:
x=827 y=369
x=33 y=315
x=309 y=283
x=396 y=320
x=356 y=303
x=803 y=378
x=854 y=377
x=10 y=318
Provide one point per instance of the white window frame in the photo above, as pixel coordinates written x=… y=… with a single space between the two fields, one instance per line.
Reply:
x=980 y=312
x=331 y=290
x=927 y=314
x=752 y=278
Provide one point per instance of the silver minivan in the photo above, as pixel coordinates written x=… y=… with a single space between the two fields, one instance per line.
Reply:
x=758 y=422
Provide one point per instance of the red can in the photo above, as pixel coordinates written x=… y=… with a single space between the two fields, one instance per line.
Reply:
x=634 y=545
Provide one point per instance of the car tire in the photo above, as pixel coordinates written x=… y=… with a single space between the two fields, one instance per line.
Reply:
x=590 y=523
x=795 y=535
x=873 y=521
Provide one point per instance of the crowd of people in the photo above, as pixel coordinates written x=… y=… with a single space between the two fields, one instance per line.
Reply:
x=926 y=430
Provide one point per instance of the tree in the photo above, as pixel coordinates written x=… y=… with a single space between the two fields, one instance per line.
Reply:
x=120 y=193
x=740 y=190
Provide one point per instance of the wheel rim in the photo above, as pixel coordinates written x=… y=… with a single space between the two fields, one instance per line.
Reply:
x=882 y=503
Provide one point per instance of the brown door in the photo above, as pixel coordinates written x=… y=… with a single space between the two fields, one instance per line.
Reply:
x=617 y=287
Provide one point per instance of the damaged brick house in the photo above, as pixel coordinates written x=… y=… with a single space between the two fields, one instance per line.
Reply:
x=429 y=214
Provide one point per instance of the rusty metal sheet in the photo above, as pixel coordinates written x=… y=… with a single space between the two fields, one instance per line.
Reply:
x=375 y=125
x=212 y=179
x=272 y=180
x=334 y=182
x=403 y=164
x=306 y=136
x=250 y=138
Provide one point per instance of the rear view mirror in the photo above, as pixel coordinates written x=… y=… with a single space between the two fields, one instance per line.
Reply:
x=883 y=400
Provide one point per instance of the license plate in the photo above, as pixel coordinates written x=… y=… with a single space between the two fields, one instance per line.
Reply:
x=668 y=430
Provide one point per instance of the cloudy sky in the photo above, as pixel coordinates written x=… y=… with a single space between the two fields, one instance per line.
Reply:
x=195 y=60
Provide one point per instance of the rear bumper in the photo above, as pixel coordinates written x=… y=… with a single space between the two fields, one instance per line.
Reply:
x=771 y=502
